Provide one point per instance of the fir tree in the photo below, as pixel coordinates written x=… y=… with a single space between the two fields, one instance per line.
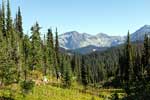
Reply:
x=50 y=39
x=146 y=54
x=57 y=47
x=57 y=59
x=84 y=73
x=36 y=47
x=67 y=74
x=19 y=23
x=50 y=51
x=45 y=60
x=138 y=66
x=9 y=22
x=16 y=56
x=129 y=62
x=26 y=54
x=62 y=65
x=74 y=63
x=3 y=19
x=1 y=22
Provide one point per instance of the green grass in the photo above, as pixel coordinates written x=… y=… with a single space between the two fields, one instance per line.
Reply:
x=48 y=92
x=55 y=93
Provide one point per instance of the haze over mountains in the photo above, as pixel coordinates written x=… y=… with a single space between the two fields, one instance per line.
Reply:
x=75 y=40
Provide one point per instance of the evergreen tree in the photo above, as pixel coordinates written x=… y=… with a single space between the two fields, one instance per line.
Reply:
x=62 y=65
x=121 y=66
x=50 y=51
x=45 y=60
x=138 y=66
x=57 y=59
x=19 y=23
x=9 y=22
x=129 y=60
x=16 y=56
x=7 y=66
x=74 y=63
x=35 y=47
x=50 y=42
x=1 y=22
x=67 y=73
x=84 y=73
x=3 y=19
x=146 y=54
x=26 y=54
x=57 y=47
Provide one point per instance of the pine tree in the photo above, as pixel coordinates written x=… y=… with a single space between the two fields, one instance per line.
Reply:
x=57 y=59
x=146 y=54
x=121 y=66
x=36 y=47
x=16 y=23
x=1 y=22
x=138 y=66
x=50 y=39
x=7 y=66
x=62 y=65
x=57 y=47
x=129 y=62
x=3 y=19
x=45 y=58
x=50 y=51
x=84 y=73
x=16 y=55
x=26 y=54
x=78 y=69
x=74 y=63
x=19 y=23
x=9 y=25
x=67 y=73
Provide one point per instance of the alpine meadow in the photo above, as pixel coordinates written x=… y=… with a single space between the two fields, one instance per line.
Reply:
x=58 y=65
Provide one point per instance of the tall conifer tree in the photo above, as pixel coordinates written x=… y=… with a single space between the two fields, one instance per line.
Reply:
x=3 y=19
x=19 y=23
x=129 y=60
x=50 y=51
x=36 y=47
x=146 y=54
x=84 y=73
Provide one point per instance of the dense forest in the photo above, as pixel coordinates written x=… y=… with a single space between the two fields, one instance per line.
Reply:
x=126 y=66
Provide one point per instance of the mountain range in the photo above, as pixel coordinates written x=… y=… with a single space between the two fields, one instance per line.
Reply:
x=85 y=42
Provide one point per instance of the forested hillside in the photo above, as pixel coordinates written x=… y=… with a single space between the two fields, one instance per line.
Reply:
x=34 y=67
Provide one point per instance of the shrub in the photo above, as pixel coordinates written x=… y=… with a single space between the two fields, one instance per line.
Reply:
x=115 y=96
x=26 y=86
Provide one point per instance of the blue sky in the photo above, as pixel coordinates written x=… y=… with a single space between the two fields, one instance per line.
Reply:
x=114 y=17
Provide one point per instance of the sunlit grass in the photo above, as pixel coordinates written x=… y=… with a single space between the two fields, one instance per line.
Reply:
x=54 y=91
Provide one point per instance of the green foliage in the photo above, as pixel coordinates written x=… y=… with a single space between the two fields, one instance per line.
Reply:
x=93 y=98
x=19 y=23
x=26 y=86
x=84 y=73
x=125 y=67
x=67 y=75
x=129 y=60
x=36 y=55
x=3 y=19
x=115 y=96
x=57 y=56
x=51 y=57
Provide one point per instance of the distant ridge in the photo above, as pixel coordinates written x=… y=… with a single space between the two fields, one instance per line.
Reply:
x=75 y=40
